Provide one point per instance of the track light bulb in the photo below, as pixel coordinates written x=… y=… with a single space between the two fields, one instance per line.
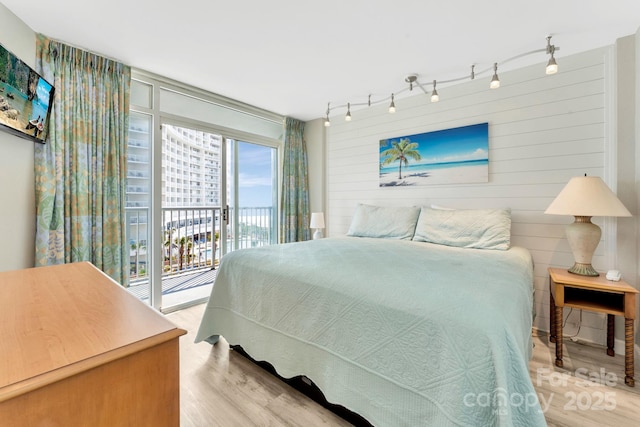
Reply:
x=347 y=118
x=434 y=95
x=552 y=66
x=392 y=106
x=495 y=81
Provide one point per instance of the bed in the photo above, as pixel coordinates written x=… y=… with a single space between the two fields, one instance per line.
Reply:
x=402 y=331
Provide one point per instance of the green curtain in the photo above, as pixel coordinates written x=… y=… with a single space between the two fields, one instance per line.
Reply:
x=294 y=209
x=81 y=169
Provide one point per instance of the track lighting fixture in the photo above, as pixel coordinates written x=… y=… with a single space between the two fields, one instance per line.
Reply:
x=412 y=80
x=392 y=106
x=495 y=81
x=552 y=65
x=434 y=95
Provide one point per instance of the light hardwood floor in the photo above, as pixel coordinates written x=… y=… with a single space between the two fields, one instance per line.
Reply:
x=219 y=387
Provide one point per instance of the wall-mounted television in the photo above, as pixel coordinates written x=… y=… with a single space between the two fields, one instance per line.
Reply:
x=26 y=99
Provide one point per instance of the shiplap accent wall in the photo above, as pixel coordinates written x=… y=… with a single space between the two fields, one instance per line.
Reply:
x=543 y=130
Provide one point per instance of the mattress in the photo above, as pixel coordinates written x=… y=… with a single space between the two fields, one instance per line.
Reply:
x=403 y=333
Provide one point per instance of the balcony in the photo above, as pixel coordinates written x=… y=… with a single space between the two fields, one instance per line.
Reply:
x=190 y=247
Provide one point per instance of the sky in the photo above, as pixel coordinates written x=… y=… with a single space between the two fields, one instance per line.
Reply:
x=450 y=145
x=255 y=175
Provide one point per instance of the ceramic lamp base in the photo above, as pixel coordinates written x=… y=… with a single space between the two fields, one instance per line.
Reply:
x=317 y=234
x=583 y=270
x=583 y=237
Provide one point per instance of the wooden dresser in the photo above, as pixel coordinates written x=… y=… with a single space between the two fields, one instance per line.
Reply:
x=76 y=349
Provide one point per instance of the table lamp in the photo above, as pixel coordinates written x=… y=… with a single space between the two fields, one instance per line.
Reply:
x=317 y=222
x=584 y=197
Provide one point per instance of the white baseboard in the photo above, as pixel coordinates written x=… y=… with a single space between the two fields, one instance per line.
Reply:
x=618 y=343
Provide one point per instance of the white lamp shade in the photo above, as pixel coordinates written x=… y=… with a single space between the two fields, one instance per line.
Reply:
x=587 y=196
x=317 y=220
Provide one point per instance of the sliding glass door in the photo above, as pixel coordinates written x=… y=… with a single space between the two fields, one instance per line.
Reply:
x=192 y=194
x=201 y=182
x=218 y=194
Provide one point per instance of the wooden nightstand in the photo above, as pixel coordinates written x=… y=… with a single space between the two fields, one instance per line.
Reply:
x=593 y=294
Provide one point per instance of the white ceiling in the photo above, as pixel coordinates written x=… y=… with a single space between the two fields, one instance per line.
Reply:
x=293 y=56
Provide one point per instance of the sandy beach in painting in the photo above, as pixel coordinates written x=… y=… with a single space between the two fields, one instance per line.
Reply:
x=435 y=175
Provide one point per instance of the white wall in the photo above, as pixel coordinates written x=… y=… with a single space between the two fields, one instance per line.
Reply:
x=625 y=129
x=17 y=206
x=543 y=130
x=314 y=136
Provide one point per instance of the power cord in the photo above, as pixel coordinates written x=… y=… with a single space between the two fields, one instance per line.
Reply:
x=564 y=323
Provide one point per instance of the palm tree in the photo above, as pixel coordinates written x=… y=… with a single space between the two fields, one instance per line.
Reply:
x=402 y=151
x=181 y=242
x=189 y=246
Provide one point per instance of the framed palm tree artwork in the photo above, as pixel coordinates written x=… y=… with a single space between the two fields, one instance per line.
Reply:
x=450 y=156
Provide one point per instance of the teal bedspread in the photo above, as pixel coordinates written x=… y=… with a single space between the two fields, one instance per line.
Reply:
x=403 y=333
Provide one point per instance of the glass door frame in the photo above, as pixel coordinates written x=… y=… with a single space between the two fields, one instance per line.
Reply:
x=235 y=199
x=156 y=211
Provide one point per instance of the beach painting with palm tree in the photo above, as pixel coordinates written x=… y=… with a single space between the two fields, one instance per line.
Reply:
x=450 y=156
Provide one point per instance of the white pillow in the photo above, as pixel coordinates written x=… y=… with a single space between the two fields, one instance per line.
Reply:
x=465 y=228
x=385 y=222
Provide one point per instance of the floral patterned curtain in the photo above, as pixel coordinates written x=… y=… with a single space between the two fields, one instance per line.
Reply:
x=81 y=170
x=294 y=209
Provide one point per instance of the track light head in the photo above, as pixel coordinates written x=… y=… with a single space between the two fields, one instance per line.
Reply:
x=327 y=122
x=434 y=95
x=552 y=65
x=495 y=81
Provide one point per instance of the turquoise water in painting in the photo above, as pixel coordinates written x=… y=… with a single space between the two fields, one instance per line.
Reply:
x=408 y=169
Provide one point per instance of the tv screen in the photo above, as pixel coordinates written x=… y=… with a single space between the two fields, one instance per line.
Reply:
x=26 y=98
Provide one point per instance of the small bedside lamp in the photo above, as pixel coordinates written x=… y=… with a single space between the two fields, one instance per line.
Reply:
x=584 y=197
x=317 y=222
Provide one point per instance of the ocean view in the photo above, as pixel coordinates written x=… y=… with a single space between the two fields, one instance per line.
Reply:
x=431 y=166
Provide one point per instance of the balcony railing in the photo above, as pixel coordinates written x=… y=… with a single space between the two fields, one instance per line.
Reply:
x=137 y=220
x=190 y=237
x=256 y=227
